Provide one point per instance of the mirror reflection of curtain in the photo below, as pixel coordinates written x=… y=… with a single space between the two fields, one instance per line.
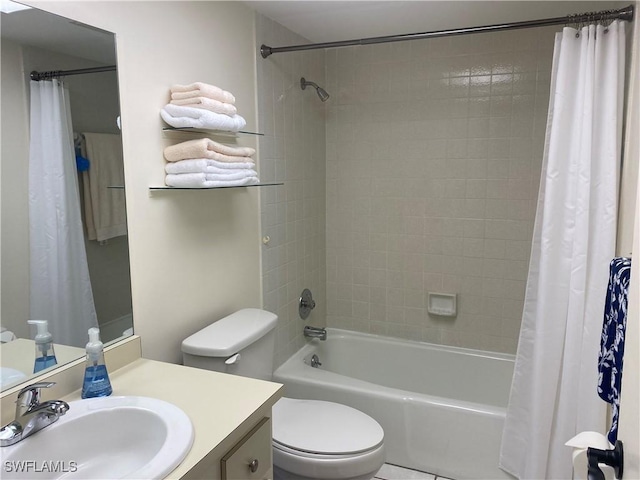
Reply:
x=60 y=288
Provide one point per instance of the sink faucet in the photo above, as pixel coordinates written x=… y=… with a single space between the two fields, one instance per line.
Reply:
x=315 y=332
x=31 y=414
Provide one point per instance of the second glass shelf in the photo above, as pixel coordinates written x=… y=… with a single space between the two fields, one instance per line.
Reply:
x=201 y=131
x=215 y=188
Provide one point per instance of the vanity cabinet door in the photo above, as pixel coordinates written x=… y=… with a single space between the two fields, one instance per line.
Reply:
x=251 y=457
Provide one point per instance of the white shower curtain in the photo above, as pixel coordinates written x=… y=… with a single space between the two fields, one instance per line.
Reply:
x=554 y=390
x=60 y=289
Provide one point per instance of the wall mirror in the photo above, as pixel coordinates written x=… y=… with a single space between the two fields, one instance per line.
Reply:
x=77 y=277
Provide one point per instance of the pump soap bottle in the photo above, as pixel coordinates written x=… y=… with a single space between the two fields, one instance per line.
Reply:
x=96 y=379
x=45 y=357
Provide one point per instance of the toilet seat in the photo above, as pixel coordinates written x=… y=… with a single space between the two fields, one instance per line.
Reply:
x=319 y=429
x=326 y=467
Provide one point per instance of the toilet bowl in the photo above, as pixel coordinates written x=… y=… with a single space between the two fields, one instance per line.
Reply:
x=312 y=439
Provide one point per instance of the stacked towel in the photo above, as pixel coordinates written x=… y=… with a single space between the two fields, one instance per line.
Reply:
x=206 y=180
x=200 y=105
x=188 y=117
x=611 y=356
x=205 y=148
x=204 y=163
x=199 y=89
x=207 y=104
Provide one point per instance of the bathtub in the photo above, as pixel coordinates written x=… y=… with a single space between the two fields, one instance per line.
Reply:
x=442 y=408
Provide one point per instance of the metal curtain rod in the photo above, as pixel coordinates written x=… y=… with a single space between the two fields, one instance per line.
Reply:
x=37 y=76
x=605 y=15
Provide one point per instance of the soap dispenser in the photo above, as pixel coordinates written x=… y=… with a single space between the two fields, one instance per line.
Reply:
x=96 y=378
x=45 y=356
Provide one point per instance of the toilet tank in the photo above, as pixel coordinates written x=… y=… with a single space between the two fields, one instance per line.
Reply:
x=240 y=344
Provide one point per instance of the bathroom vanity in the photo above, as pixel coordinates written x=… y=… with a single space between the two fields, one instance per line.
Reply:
x=231 y=415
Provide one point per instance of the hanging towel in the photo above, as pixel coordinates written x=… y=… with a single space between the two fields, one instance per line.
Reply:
x=104 y=207
x=612 y=342
x=188 y=117
x=202 y=148
x=208 y=104
x=199 y=89
x=204 y=180
x=203 y=165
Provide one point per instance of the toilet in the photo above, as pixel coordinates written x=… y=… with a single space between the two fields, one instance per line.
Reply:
x=312 y=439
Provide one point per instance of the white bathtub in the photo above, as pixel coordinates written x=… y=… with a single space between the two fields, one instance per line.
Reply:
x=442 y=408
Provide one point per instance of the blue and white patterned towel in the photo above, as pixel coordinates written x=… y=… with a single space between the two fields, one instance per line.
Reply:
x=612 y=341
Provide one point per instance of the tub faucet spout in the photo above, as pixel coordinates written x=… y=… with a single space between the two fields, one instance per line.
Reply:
x=315 y=332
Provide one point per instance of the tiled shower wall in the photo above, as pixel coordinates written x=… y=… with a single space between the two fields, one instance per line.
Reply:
x=434 y=150
x=293 y=215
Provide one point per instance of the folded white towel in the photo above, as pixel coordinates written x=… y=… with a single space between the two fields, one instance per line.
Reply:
x=208 y=104
x=205 y=180
x=200 y=89
x=208 y=162
x=181 y=117
x=203 y=165
x=205 y=148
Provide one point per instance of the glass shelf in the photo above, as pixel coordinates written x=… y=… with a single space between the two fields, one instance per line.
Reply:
x=201 y=131
x=216 y=188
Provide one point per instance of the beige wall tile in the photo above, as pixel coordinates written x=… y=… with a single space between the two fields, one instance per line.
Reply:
x=439 y=145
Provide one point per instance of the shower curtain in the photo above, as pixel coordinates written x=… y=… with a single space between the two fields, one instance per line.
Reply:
x=60 y=289
x=554 y=391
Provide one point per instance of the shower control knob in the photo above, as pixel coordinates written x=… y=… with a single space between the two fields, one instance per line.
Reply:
x=306 y=304
x=310 y=304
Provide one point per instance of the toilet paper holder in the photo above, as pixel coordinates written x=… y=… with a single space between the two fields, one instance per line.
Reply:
x=614 y=458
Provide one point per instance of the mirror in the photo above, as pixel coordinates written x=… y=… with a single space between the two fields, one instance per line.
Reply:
x=34 y=40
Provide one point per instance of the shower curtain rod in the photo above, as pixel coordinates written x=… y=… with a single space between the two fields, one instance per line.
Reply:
x=605 y=15
x=37 y=76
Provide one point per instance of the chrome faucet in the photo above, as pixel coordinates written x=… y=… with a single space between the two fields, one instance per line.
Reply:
x=31 y=414
x=315 y=332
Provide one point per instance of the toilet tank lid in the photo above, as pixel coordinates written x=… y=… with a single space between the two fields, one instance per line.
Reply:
x=230 y=334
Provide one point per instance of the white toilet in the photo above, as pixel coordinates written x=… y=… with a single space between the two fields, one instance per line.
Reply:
x=312 y=439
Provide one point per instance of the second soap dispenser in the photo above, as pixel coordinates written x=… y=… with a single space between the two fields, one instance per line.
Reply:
x=45 y=356
x=96 y=378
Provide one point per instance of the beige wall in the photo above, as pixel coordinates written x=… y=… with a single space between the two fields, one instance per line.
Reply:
x=293 y=215
x=629 y=177
x=194 y=255
x=434 y=150
x=630 y=401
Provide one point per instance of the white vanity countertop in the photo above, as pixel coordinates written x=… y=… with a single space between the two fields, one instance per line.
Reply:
x=216 y=403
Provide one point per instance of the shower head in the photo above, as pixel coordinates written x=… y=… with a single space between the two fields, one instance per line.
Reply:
x=322 y=93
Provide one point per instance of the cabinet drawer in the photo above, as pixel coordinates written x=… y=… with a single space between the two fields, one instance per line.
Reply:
x=251 y=458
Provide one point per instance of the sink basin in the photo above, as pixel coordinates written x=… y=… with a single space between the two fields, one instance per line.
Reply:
x=104 y=438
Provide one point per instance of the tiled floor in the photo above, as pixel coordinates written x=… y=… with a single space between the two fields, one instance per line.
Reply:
x=393 y=472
